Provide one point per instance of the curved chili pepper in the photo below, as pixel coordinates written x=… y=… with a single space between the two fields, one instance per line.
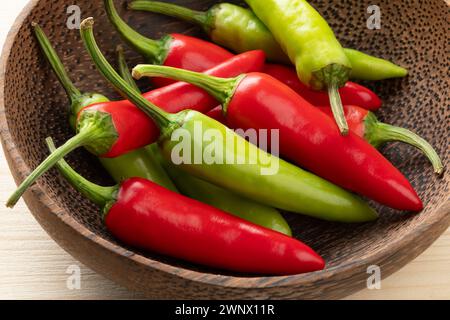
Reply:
x=311 y=45
x=365 y=124
x=307 y=136
x=206 y=192
x=144 y=215
x=174 y=50
x=351 y=94
x=286 y=187
x=112 y=129
x=240 y=30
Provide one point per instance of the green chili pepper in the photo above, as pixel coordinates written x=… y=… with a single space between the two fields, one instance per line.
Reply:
x=239 y=29
x=204 y=191
x=311 y=45
x=225 y=200
x=366 y=67
x=239 y=166
x=134 y=164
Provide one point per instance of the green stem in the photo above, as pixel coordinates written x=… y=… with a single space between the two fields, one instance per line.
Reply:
x=337 y=108
x=378 y=133
x=200 y=18
x=149 y=48
x=101 y=196
x=124 y=71
x=220 y=88
x=72 y=91
x=162 y=118
x=86 y=134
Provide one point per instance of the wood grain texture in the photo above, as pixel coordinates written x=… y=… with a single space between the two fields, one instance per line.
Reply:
x=33 y=107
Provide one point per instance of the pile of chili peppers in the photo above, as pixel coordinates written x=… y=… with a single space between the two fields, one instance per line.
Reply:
x=227 y=215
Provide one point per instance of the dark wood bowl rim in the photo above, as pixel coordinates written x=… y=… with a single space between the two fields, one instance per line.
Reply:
x=38 y=193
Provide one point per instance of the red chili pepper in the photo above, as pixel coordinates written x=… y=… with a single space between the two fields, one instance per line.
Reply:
x=307 y=136
x=145 y=215
x=218 y=115
x=366 y=125
x=111 y=129
x=175 y=50
x=351 y=94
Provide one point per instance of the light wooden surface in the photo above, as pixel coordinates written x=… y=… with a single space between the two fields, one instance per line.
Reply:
x=32 y=266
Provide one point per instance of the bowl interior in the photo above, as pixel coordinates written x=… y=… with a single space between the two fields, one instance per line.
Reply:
x=413 y=34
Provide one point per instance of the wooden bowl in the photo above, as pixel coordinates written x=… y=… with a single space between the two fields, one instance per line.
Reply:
x=33 y=106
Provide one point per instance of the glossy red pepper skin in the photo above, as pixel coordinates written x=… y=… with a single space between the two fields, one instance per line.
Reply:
x=217 y=114
x=193 y=54
x=351 y=94
x=136 y=130
x=152 y=218
x=366 y=125
x=355 y=116
x=309 y=138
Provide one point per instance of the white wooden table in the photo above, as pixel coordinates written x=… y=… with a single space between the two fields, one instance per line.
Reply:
x=32 y=266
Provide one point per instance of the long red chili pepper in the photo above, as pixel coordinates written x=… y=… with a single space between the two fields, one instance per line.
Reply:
x=144 y=215
x=365 y=124
x=112 y=129
x=175 y=50
x=351 y=94
x=307 y=136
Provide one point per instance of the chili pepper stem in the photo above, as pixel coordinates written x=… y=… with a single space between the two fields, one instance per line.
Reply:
x=378 y=133
x=124 y=71
x=220 y=88
x=56 y=63
x=162 y=118
x=90 y=132
x=101 y=196
x=199 y=18
x=78 y=99
x=154 y=50
x=337 y=108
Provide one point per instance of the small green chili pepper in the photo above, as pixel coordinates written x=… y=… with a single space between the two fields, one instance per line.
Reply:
x=239 y=29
